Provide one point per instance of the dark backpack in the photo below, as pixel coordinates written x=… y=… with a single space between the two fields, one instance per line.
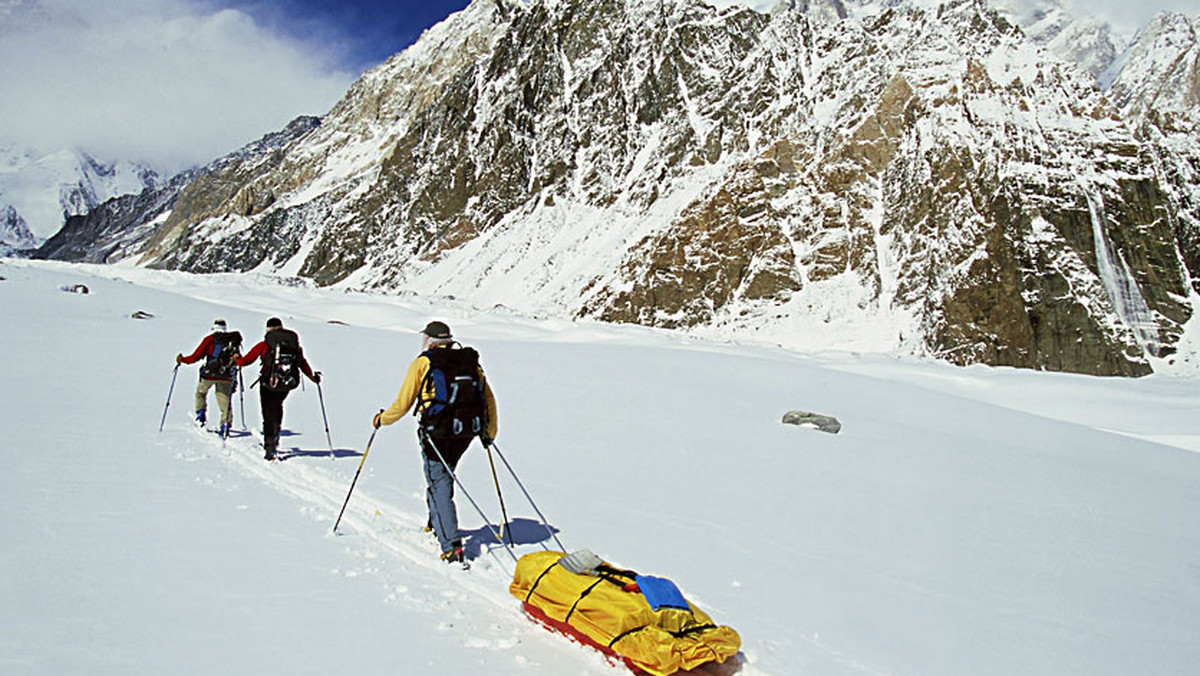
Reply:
x=219 y=363
x=458 y=409
x=281 y=361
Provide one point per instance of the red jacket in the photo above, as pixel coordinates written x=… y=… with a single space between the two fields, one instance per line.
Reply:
x=260 y=350
x=202 y=351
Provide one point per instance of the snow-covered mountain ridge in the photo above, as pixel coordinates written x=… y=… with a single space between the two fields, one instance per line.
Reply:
x=889 y=177
x=39 y=193
x=110 y=231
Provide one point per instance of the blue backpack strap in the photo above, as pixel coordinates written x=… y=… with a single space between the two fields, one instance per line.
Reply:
x=661 y=593
x=435 y=376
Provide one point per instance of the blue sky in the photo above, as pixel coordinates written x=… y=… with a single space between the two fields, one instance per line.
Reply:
x=177 y=83
x=362 y=33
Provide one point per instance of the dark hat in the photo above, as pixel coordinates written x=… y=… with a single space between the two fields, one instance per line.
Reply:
x=219 y=325
x=274 y=323
x=437 y=330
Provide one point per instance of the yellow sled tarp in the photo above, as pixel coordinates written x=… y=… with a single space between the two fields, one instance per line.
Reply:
x=606 y=609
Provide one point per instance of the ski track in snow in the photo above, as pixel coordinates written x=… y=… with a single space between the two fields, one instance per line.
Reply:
x=982 y=521
x=391 y=544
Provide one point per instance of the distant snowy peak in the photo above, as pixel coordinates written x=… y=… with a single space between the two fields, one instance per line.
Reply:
x=121 y=225
x=14 y=234
x=1160 y=72
x=821 y=10
x=43 y=191
x=1084 y=41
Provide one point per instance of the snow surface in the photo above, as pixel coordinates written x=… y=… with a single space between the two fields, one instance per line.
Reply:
x=965 y=521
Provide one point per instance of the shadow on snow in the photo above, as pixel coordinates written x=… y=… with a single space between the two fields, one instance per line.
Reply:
x=520 y=531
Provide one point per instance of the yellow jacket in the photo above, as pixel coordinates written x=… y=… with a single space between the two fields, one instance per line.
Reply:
x=410 y=393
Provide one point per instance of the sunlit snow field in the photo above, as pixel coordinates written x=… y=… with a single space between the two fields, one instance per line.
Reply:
x=963 y=522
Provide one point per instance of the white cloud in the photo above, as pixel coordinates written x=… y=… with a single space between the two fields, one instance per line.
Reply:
x=162 y=81
x=1129 y=16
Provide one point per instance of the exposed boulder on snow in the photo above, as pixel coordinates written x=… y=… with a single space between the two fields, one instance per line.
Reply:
x=824 y=423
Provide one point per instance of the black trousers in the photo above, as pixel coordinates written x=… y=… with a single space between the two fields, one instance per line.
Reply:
x=451 y=449
x=272 y=414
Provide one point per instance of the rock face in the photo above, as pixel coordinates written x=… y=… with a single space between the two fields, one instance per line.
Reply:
x=906 y=178
x=128 y=224
x=14 y=233
x=1156 y=86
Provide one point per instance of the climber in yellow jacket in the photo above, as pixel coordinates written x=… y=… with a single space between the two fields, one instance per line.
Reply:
x=455 y=404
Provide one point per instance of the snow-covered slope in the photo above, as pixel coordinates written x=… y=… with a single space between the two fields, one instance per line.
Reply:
x=919 y=176
x=114 y=229
x=1159 y=75
x=14 y=233
x=922 y=176
x=1068 y=30
x=43 y=191
x=964 y=521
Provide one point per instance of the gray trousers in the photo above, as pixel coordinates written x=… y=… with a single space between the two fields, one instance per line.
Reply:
x=224 y=390
x=439 y=491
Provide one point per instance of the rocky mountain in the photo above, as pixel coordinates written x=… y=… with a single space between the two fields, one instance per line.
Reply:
x=1155 y=85
x=14 y=233
x=1060 y=28
x=1159 y=75
x=121 y=226
x=884 y=176
x=42 y=191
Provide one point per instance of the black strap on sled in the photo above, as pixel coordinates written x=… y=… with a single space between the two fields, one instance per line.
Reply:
x=575 y=605
x=613 y=575
x=538 y=581
x=603 y=571
x=677 y=634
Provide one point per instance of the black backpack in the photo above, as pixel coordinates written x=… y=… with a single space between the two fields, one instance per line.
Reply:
x=281 y=361
x=458 y=409
x=219 y=363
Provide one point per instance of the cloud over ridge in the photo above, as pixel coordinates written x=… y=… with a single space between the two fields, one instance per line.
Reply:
x=167 y=82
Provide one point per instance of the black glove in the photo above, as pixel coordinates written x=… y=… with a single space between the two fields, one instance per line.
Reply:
x=316 y=377
x=485 y=440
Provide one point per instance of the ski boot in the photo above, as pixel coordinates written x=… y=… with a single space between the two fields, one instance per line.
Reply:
x=455 y=554
x=201 y=417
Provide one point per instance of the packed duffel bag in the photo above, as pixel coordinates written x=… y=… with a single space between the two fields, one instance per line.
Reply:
x=644 y=621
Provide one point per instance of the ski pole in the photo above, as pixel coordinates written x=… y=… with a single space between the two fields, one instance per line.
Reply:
x=356 y=473
x=463 y=488
x=169 y=393
x=328 y=438
x=545 y=521
x=242 y=398
x=503 y=512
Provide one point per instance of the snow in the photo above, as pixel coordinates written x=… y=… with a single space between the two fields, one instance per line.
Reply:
x=964 y=521
x=44 y=190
